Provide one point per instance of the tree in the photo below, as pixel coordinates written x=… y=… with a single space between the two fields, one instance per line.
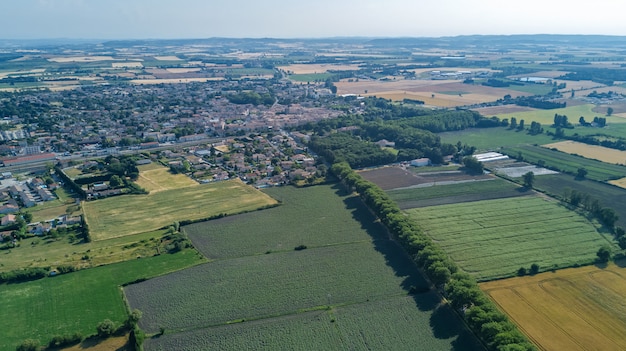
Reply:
x=28 y=345
x=520 y=126
x=28 y=217
x=115 y=181
x=473 y=165
x=105 y=328
x=603 y=254
x=582 y=173
x=529 y=179
x=513 y=123
x=609 y=111
x=534 y=268
x=608 y=217
x=133 y=318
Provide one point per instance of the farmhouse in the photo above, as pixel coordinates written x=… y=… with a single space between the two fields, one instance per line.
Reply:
x=420 y=162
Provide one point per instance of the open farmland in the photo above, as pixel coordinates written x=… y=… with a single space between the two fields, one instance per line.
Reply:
x=567 y=163
x=313 y=68
x=572 y=309
x=493 y=138
x=326 y=295
x=464 y=94
x=546 y=117
x=441 y=194
x=255 y=287
x=301 y=215
x=347 y=327
x=595 y=152
x=132 y=214
x=398 y=177
x=76 y=302
x=160 y=179
x=608 y=195
x=494 y=238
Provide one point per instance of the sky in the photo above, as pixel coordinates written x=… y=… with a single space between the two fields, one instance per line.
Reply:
x=170 y=19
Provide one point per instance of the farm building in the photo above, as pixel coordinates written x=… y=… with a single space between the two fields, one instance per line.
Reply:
x=420 y=162
x=490 y=156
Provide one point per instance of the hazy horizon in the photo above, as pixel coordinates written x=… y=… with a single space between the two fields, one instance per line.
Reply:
x=195 y=19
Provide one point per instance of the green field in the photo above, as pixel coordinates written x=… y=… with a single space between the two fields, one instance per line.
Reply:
x=546 y=117
x=609 y=196
x=132 y=214
x=494 y=238
x=311 y=77
x=276 y=284
x=307 y=216
x=568 y=163
x=349 y=289
x=350 y=327
x=453 y=193
x=76 y=302
x=493 y=138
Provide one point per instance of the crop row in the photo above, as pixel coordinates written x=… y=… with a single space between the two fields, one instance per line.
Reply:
x=476 y=187
x=387 y=324
x=274 y=284
x=567 y=163
x=313 y=216
x=549 y=236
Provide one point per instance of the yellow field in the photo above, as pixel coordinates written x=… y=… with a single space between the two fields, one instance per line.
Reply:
x=619 y=182
x=173 y=80
x=132 y=214
x=596 y=152
x=129 y=64
x=81 y=59
x=447 y=93
x=167 y=58
x=183 y=70
x=317 y=68
x=572 y=309
x=160 y=179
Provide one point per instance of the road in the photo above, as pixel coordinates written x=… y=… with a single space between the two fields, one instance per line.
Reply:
x=42 y=165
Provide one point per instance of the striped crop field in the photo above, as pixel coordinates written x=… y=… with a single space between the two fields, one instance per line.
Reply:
x=494 y=238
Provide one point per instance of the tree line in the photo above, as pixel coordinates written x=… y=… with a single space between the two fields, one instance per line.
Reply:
x=490 y=325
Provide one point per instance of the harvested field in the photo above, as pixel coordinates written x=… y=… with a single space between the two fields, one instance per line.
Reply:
x=571 y=309
x=546 y=117
x=81 y=59
x=132 y=214
x=160 y=179
x=174 y=80
x=393 y=177
x=167 y=58
x=317 y=68
x=183 y=70
x=129 y=64
x=424 y=90
x=619 y=182
x=595 y=152
x=494 y=238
